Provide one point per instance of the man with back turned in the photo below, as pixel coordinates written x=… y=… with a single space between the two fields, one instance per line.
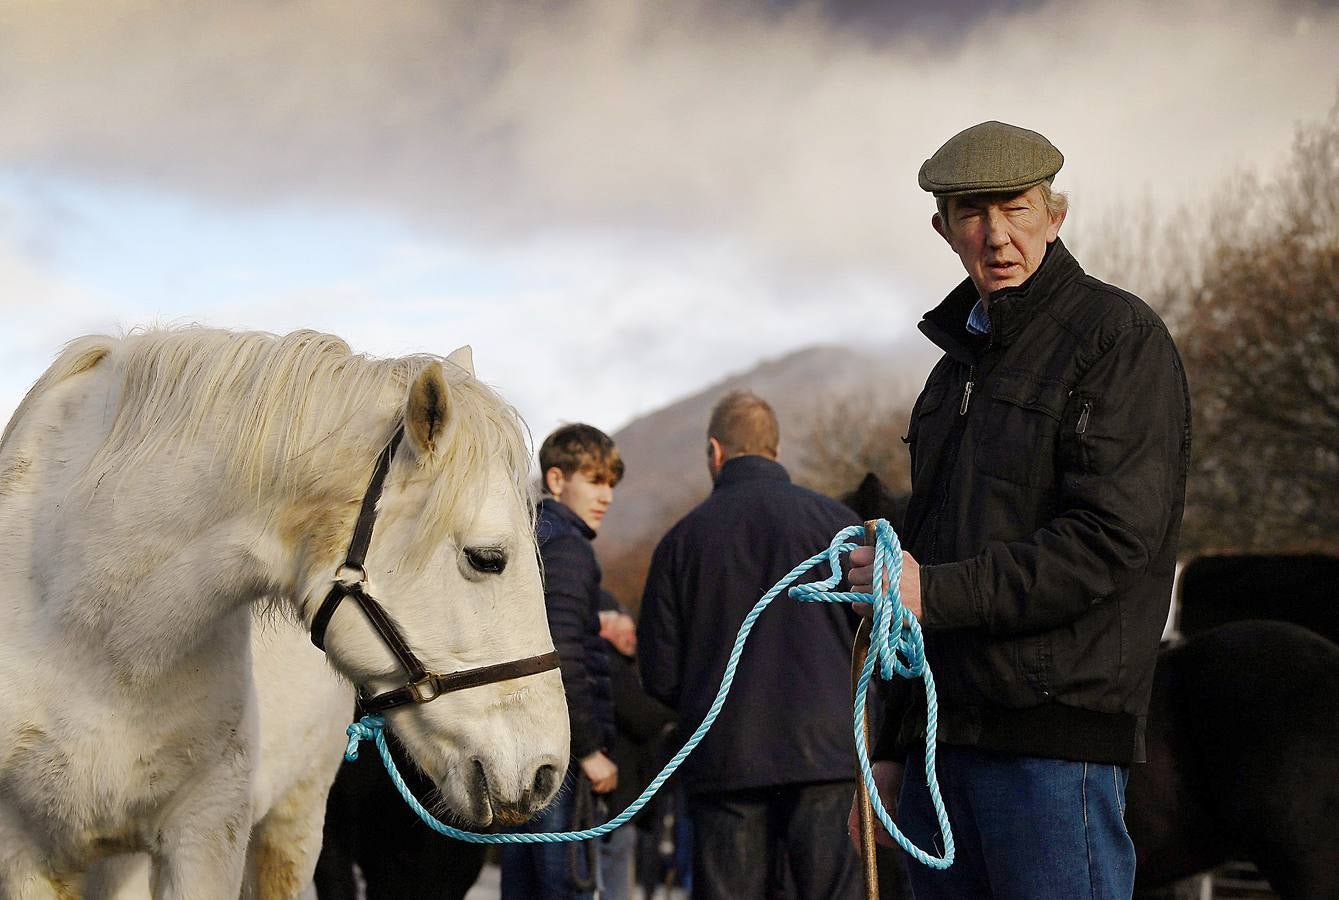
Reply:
x=769 y=787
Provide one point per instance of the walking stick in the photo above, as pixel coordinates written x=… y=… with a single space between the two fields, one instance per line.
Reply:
x=858 y=654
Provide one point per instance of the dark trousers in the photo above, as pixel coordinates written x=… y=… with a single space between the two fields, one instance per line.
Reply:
x=1024 y=828
x=785 y=841
x=565 y=871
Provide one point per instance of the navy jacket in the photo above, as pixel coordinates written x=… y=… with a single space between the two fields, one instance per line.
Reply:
x=788 y=717
x=572 y=602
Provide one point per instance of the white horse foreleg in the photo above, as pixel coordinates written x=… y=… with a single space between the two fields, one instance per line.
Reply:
x=201 y=847
x=22 y=874
x=285 y=844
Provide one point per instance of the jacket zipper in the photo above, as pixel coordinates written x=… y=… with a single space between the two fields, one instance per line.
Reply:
x=1083 y=418
x=967 y=391
x=955 y=441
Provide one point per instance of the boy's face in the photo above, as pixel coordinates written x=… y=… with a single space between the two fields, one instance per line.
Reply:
x=586 y=493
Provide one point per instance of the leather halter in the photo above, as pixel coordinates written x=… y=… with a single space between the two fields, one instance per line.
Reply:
x=423 y=686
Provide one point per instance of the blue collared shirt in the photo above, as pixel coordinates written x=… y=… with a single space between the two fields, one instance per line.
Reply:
x=978 y=320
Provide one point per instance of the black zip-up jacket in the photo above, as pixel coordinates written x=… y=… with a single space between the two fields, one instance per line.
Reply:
x=1049 y=462
x=572 y=603
x=788 y=717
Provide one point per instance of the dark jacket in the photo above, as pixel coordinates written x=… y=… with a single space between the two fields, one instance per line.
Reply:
x=641 y=722
x=787 y=719
x=1048 y=478
x=572 y=602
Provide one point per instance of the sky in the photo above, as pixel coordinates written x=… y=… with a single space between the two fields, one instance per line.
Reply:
x=614 y=202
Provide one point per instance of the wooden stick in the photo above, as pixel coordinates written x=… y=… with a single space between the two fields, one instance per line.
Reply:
x=867 y=843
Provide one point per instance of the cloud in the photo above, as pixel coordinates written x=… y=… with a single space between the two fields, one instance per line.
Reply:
x=795 y=138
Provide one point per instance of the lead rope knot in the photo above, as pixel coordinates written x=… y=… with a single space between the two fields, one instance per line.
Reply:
x=365 y=729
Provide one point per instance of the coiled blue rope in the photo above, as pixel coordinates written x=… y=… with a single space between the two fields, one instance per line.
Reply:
x=895 y=631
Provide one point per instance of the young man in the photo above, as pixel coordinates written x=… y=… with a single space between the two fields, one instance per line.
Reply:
x=1049 y=451
x=580 y=466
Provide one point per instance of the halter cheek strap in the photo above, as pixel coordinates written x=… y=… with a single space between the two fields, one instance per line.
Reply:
x=423 y=686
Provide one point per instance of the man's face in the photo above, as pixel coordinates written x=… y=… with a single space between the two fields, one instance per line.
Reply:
x=1000 y=240
x=586 y=493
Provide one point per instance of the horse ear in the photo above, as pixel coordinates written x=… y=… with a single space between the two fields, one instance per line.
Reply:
x=463 y=357
x=427 y=410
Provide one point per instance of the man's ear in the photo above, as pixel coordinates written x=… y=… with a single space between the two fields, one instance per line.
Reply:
x=1056 y=221
x=715 y=454
x=941 y=227
x=462 y=357
x=554 y=481
x=427 y=409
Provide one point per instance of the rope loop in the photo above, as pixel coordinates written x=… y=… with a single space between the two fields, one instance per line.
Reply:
x=897 y=649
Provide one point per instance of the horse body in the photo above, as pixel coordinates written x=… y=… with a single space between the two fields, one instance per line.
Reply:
x=1243 y=760
x=152 y=492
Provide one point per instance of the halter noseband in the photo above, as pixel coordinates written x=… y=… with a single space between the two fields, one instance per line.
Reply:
x=423 y=686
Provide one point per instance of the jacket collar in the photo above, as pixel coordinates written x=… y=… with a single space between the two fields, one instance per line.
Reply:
x=750 y=468
x=556 y=513
x=1011 y=308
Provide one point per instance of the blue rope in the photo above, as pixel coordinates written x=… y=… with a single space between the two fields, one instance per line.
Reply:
x=895 y=631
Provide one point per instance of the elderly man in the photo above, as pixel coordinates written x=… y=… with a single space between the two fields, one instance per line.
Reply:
x=1049 y=450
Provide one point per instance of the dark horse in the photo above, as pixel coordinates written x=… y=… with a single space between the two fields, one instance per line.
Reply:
x=1243 y=760
x=367 y=823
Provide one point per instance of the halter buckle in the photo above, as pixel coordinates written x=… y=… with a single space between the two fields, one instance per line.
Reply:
x=350 y=568
x=424 y=690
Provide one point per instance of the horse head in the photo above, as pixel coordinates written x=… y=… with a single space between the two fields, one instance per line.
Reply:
x=451 y=563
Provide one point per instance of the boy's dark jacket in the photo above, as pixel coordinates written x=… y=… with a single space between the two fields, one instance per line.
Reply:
x=572 y=601
x=1046 y=505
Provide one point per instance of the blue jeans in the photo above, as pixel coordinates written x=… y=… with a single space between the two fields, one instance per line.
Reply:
x=618 y=855
x=1025 y=828
x=550 y=871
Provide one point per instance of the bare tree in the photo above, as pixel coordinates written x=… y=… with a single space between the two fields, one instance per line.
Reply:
x=854 y=435
x=1259 y=330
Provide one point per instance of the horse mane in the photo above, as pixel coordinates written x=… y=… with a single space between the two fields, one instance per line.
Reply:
x=277 y=410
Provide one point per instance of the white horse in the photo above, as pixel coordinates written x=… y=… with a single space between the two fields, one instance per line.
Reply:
x=153 y=491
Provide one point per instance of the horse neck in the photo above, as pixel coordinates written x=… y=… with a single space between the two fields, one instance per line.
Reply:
x=157 y=567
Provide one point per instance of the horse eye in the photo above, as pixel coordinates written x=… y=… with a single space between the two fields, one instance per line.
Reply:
x=486 y=559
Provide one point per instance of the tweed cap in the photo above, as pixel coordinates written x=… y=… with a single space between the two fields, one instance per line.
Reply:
x=990 y=158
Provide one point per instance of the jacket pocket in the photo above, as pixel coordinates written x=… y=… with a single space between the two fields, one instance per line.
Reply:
x=1034 y=662
x=1017 y=442
x=1074 y=447
x=929 y=402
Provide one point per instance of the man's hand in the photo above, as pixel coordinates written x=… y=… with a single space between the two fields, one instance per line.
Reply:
x=861 y=577
x=601 y=771
x=888 y=778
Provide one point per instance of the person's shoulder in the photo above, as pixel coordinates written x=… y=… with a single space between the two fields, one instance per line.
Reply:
x=695 y=520
x=566 y=545
x=796 y=500
x=1104 y=312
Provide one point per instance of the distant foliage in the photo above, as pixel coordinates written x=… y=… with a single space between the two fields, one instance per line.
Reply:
x=1257 y=315
x=841 y=442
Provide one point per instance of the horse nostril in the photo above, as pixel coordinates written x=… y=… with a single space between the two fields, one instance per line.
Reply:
x=545 y=780
x=480 y=780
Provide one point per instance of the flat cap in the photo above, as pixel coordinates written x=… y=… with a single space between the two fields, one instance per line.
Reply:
x=990 y=158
